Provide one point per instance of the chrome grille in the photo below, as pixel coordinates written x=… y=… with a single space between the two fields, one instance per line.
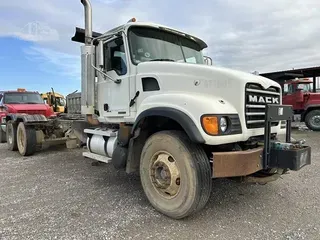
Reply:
x=32 y=112
x=256 y=98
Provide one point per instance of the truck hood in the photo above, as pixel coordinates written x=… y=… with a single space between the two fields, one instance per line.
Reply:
x=206 y=77
x=27 y=107
x=313 y=94
x=211 y=84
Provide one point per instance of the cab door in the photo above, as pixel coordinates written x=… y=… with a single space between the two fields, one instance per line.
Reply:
x=292 y=97
x=113 y=95
x=288 y=95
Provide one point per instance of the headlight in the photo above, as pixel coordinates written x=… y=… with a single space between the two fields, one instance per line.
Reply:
x=226 y=124
x=223 y=124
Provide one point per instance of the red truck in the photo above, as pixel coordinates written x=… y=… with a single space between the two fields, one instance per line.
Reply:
x=19 y=102
x=306 y=103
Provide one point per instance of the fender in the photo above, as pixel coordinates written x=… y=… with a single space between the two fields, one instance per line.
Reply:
x=180 y=117
x=27 y=118
x=312 y=106
x=303 y=115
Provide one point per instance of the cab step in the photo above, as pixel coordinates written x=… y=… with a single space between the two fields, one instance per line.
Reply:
x=96 y=157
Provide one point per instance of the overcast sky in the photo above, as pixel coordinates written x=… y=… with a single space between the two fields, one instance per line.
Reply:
x=247 y=35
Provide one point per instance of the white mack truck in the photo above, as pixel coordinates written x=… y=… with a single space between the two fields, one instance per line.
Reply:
x=155 y=107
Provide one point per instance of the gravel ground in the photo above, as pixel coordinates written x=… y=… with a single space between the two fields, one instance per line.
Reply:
x=57 y=194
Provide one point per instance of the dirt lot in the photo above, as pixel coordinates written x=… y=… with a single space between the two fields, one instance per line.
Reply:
x=59 y=195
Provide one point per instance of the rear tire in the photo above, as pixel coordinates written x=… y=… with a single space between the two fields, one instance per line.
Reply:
x=312 y=120
x=3 y=137
x=175 y=174
x=26 y=139
x=12 y=135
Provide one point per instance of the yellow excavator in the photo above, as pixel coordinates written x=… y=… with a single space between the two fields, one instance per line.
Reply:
x=56 y=100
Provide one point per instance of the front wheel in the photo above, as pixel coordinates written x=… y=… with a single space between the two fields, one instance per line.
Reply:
x=12 y=135
x=312 y=120
x=26 y=139
x=175 y=174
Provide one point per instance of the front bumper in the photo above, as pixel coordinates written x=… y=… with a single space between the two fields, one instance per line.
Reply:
x=244 y=163
x=271 y=155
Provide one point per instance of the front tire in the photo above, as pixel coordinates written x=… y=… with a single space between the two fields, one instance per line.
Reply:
x=12 y=135
x=175 y=174
x=3 y=137
x=26 y=139
x=312 y=120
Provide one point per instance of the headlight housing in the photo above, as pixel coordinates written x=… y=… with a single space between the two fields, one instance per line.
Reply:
x=216 y=125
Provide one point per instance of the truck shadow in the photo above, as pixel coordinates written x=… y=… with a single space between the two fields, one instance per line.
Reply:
x=227 y=195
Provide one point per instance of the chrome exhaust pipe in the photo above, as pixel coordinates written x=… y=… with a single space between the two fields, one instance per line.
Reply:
x=87 y=71
x=87 y=21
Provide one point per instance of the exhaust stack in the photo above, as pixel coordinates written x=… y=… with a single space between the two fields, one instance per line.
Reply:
x=87 y=20
x=87 y=71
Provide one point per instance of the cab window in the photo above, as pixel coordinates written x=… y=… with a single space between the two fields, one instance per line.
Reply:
x=287 y=89
x=115 y=57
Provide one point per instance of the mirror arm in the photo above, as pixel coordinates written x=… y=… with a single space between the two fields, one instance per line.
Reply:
x=206 y=59
x=103 y=73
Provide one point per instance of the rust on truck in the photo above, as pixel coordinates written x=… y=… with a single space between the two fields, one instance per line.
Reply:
x=237 y=163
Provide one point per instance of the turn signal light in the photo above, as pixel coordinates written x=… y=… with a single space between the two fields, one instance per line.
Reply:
x=3 y=109
x=210 y=125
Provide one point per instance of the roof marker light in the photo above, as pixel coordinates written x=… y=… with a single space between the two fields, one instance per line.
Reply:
x=132 y=20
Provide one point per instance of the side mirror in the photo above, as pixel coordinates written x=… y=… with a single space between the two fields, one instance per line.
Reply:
x=100 y=55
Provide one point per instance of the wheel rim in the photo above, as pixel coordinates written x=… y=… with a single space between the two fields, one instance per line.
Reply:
x=20 y=137
x=165 y=174
x=10 y=134
x=315 y=120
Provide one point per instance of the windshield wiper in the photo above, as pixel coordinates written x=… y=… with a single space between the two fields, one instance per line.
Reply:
x=162 y=59
x=32 y=103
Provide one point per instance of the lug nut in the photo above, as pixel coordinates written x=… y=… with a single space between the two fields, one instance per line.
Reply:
x=178 y=181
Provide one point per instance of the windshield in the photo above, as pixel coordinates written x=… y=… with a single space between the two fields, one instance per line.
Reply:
x=304 y=87
x=60 y=101
x=149 y=44
x=22 y=97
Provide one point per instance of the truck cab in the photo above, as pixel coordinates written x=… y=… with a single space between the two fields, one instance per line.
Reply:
x=20 y=102
x=298 y=93
x=158 y=106
x=55 y=100
x=145 y=67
